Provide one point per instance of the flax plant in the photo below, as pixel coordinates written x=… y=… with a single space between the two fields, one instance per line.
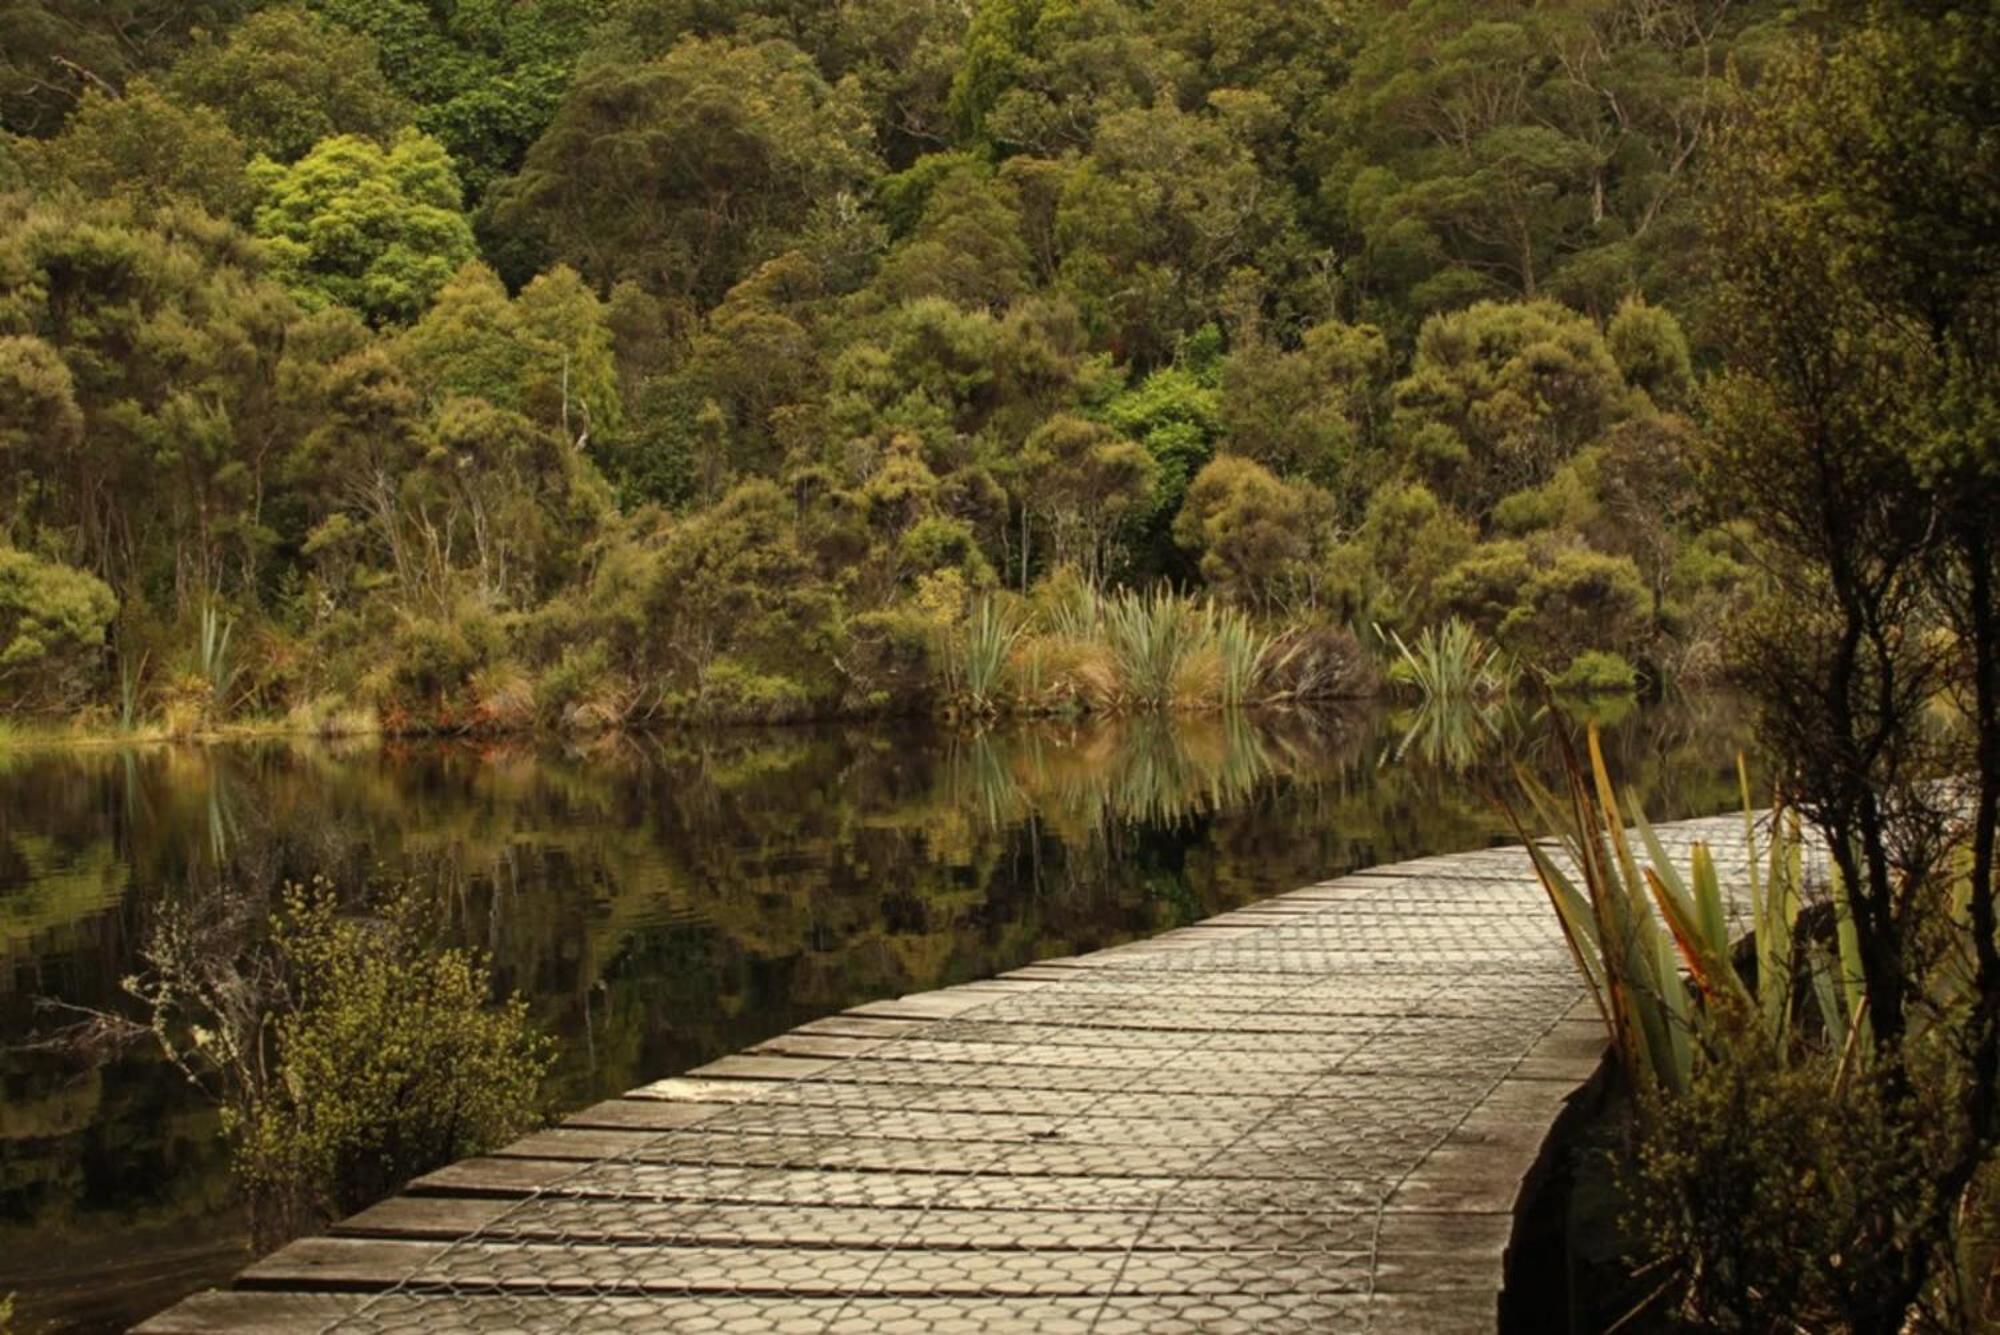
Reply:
x=214 y=661
x=1450 y=662
x=976 y=657
x=1656 y=946
x=1241 y=649
x=1150 y=636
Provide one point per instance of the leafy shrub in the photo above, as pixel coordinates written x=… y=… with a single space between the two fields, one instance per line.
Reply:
x=1253 y=533
x=390 y=1063
x=52 y=623
x=1595 y=672
x=431 y=681
x=561 y=690
x=732 y=691
x=348 y=1054
x=1787 y=1161
x=890 y=661
x=1775 y=1189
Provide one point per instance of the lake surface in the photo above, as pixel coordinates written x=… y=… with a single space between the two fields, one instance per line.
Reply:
x=662 y=902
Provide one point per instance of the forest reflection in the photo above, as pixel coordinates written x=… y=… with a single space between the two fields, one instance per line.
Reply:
x=662 y=901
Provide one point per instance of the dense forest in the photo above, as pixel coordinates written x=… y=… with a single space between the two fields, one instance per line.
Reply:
x=434 y=365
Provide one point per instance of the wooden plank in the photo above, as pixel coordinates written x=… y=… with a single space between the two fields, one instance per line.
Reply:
x=763 y=1068
x=361 y=1264
x=642 y=1115
x=705 y=1224
x=253 y=1314
x=1449 y=1313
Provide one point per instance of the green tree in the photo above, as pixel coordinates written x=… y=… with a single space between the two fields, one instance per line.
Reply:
x=41 y=426
x=546 y=353
x=284 y=80
x=684 y=172
x=486 y=75
x=1499 y=395
x=145 y=148
x=176 y=351
x=1084 y=482
x=1257 y=537
x=52 y=51
x=1318 y=412
x=1155 y=220
x=1858 y=424
x=965 y=247
x=1521 y=150
x=376 y=230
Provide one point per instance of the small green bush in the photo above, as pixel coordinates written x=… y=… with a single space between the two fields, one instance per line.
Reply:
x=1595 y=672
x=1776 y=1193
x=732 y=691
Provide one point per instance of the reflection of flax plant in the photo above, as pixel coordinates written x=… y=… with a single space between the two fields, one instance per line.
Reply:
x=1449 y=733
x=1156 y=772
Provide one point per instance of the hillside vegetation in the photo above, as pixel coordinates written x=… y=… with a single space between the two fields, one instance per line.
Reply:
x=584 y=363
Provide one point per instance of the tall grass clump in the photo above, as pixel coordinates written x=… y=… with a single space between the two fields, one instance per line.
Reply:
x=1450 y=662
x=1240 y=649
x=1151 y=635
x=976 y=657
x=215 y=662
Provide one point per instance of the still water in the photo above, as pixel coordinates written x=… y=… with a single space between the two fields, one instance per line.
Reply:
x=664 y=901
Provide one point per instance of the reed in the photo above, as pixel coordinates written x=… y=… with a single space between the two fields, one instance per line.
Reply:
x=131 y=677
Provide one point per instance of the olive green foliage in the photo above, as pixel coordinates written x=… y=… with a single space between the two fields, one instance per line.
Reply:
x=1855 y=422
x=53 y=51
x=145 y=147
x=485 y=76
x=1254 y=534
x=682 y=172
x=440 y=338
x=52 y=623
x=389 y=1062
x=1523 y=150
x=348 y=1053
x=285 y=79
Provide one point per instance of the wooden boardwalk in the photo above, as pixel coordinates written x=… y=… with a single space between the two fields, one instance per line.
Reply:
x=1315 y=1112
